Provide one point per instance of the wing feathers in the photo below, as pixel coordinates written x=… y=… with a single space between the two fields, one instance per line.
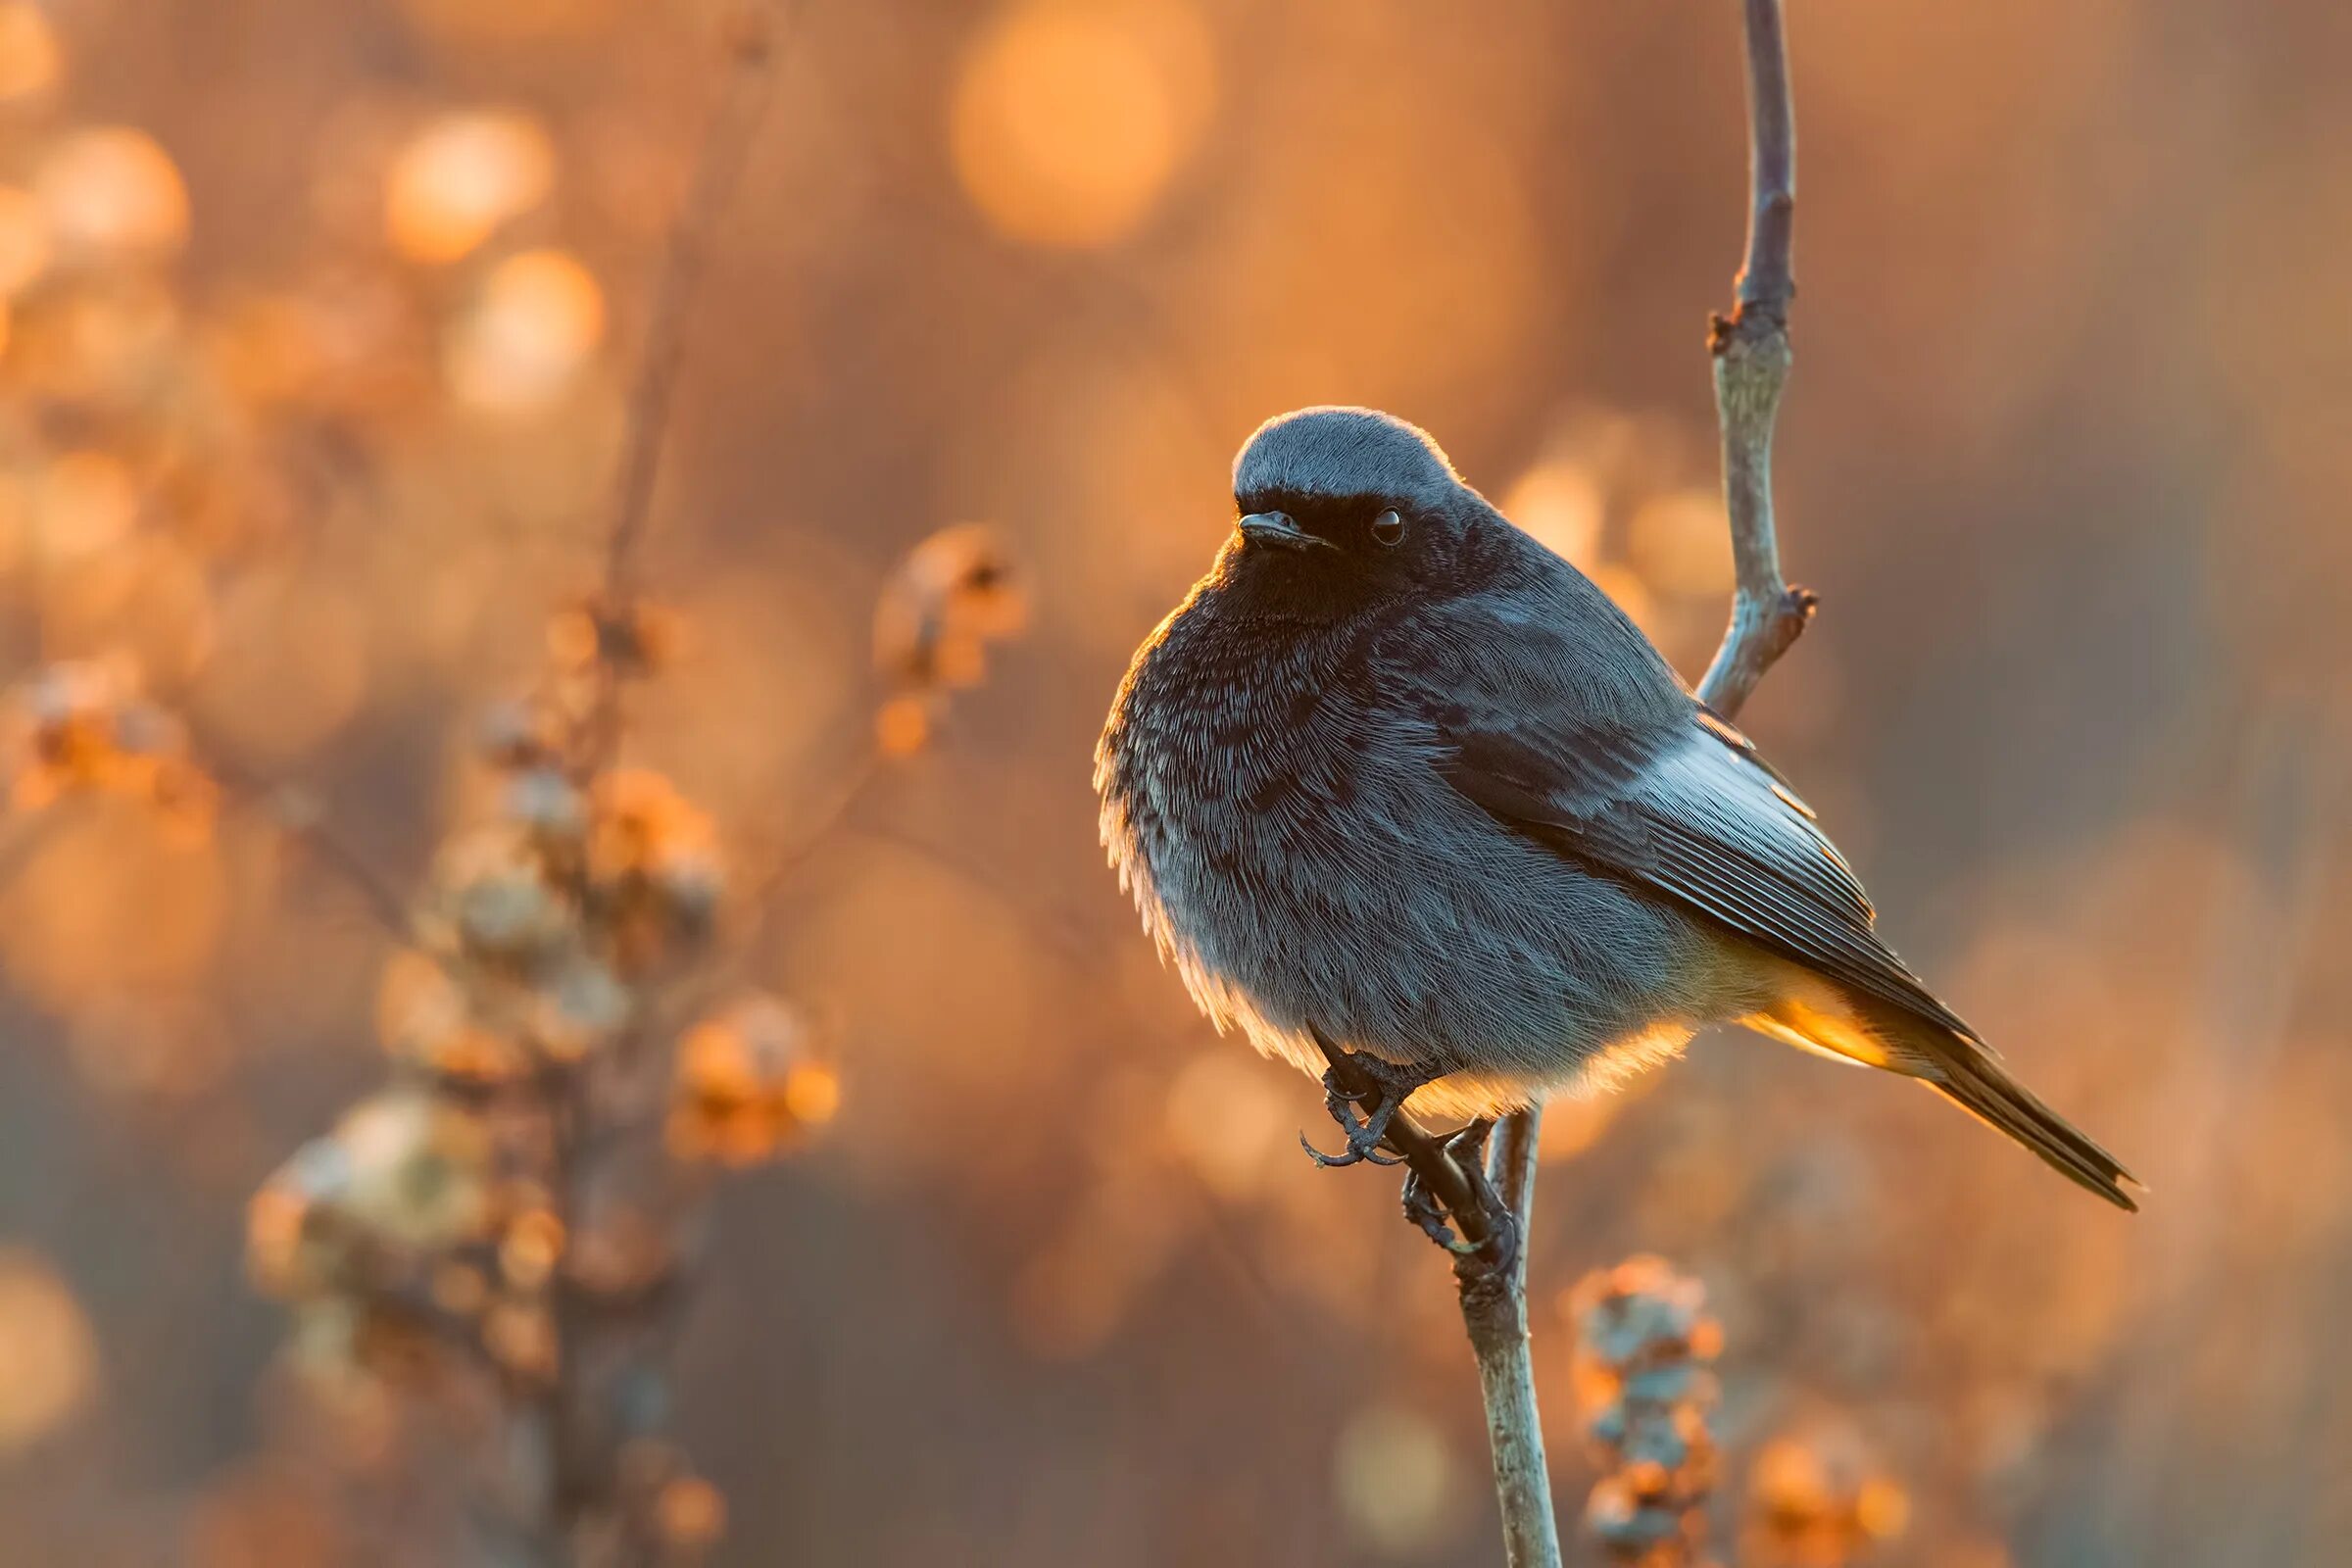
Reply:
x=1656 y=790
x=1694 y=815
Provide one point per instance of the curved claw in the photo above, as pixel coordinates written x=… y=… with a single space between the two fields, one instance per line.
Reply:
x=1368 y=1154
x=1363 y=1081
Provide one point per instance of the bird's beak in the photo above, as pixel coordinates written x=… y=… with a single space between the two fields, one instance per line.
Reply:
x=1277 y=528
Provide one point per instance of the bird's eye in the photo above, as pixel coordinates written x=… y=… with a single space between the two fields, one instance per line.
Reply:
x=1388 y=527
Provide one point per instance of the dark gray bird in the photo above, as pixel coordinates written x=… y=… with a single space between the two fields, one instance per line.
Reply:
x=1396 y=775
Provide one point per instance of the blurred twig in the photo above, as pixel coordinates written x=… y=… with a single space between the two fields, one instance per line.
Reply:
x=711 y=983
x=1750 y=352
x=579 y=1443
x=752 y=36
x=305 y=822
x=812 y=836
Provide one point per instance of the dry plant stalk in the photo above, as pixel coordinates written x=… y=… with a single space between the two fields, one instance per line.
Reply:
x=511 y=1229
x=1749 y=349
x=1644 y=1386
x=487 y=1259
x=521 y=1210
x=1818 y=1501
x=524 y=1204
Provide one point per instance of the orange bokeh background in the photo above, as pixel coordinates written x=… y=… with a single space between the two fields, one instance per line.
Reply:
x=317 y=320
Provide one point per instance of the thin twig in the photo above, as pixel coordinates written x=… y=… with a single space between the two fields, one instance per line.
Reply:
x=726 y=146
x=303 y=819
x=696 y=994
x=812 y=834
x=1750 y=353
x=719 y=168
x=1750 y=350
x=1767 y=283
x=1490 y=1270
x=581 y=1440
x=306 y=824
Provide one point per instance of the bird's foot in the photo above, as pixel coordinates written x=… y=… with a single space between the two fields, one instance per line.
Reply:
x=1354 y=1079
x=1498 y=1250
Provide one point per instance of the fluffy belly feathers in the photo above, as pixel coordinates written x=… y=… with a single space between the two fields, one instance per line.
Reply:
x=1450 y=945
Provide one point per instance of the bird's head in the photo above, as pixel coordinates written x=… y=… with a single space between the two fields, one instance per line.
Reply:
x=1338 y=506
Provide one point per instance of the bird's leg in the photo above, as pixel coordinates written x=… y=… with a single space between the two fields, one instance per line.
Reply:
x=1467 y=1150
x=1499 y=1254
x=1422 y=1208
x=1353 y=1079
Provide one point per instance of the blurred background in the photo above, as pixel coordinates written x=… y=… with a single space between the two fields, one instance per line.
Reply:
x=320 y=324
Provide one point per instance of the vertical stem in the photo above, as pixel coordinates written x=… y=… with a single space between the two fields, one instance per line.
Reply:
x=1767 y=281
x=577 y=1467
x=1495 y=1314
x=752 y=42
x=726 y=146
x=1752 y=357
x=1490 y=1207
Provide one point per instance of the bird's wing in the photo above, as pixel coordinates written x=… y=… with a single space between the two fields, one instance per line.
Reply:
x=1682 y=807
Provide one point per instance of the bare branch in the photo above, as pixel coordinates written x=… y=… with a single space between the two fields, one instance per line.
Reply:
x=760 y=901
x=726 y=146
x=1494 y=1313
x=305 y=822
x=1768 y=281
x=1490 y=1270
x=1750 y=350
x=1750 y=353
x=719 y=168
x=812 y=835
x=581 y=1444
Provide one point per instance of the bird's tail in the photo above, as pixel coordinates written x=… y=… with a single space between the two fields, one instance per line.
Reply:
x=1961 y=1069
x=1978 y=1084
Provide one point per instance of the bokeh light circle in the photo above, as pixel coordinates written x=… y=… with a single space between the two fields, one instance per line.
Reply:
x=1069 y=120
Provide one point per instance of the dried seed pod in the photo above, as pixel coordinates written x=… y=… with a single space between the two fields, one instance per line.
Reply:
x=1643 y=1383
x=750 y=1083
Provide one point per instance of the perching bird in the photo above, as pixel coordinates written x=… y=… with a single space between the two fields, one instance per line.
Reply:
x=1396 y=775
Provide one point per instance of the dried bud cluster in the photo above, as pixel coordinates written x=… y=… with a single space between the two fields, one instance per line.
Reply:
x=408 y=1221
x=498 y=1202
x=1818 y=1502
x=475 y=1207
x=667 y=1514
x=1644 y=1387
x=632 y=639
x=85 y=727
x=542 y=926
x=750 y=1083
x=518 y=1200
x=951 y=598
x=403 y=1174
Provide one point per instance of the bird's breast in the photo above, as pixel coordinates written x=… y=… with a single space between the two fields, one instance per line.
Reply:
x=1275 y=823
x=1229 y=770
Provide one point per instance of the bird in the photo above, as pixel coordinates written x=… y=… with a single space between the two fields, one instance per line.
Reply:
x=1396 y=783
